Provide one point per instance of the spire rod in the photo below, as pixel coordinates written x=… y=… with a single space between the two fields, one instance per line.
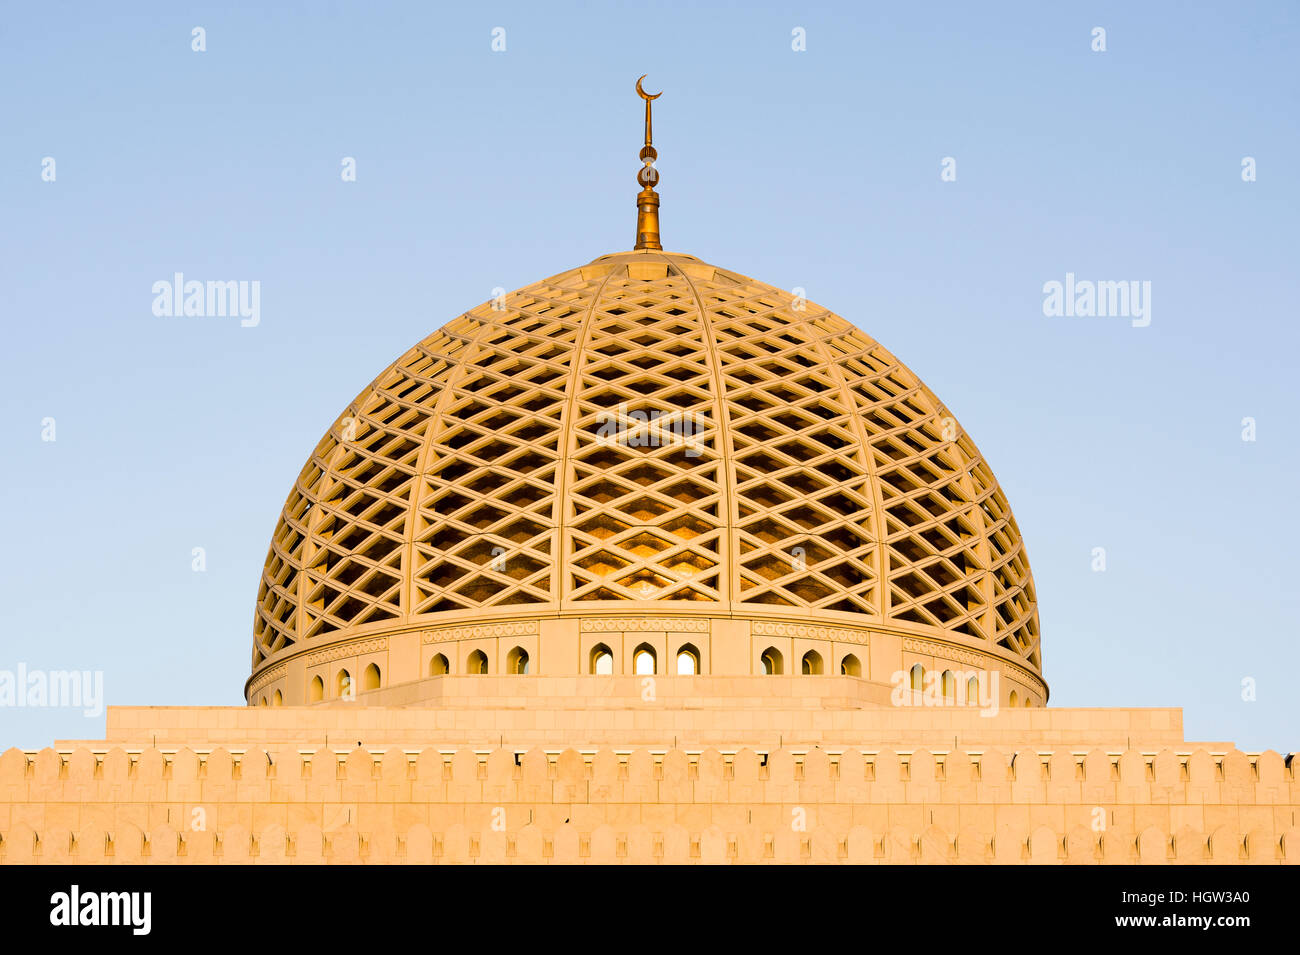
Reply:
x=647 y=200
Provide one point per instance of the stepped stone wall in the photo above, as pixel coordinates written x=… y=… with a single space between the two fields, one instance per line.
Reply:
x=811 y=775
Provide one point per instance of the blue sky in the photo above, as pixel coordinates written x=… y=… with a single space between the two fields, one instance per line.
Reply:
x=817 y=169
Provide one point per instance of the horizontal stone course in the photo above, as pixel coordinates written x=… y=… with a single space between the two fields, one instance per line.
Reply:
x=782 y=805
x=808 y=775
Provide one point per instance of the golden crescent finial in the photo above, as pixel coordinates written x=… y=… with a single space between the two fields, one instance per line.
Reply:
x=647 y=200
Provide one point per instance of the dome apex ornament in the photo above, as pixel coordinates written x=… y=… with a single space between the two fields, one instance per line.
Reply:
x=647 y=200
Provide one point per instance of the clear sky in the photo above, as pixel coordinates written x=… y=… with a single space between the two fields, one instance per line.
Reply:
x=818 y=169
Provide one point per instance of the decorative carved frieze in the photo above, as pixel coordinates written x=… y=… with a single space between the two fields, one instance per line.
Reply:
x=518 y=628
x=802 y=631
x=269 y=676
x=644 y=624
x=958 y=655
x=352 y=649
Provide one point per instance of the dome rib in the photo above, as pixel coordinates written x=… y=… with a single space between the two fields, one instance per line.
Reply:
x=984 y=550
x=730 y=543
x=869 y=464
x=436 y=427
x=564 y=526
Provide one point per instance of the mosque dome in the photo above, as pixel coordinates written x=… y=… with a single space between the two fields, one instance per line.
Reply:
x=647 y=464
x=646 y=436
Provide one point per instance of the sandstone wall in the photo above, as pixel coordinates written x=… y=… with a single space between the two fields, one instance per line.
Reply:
x=282 y=804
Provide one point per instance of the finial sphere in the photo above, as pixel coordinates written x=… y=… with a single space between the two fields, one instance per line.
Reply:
x=644 y=95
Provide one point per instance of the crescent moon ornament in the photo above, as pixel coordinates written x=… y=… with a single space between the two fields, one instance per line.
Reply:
x=647 y=200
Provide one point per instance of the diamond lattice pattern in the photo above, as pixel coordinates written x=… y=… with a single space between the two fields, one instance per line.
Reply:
x=647 y=428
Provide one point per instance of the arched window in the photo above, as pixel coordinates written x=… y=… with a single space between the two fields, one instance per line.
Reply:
x=343 y=684
x=602 y=661
x=438 y=665
x=850 y=666
x=688 y=660
x=643 y=660
x=277 y=698
x=973 y=691
x=477 y=663
x=772 y=665
x=1015 y=698
x=262 y=702
x=1029 y=701
x=812 y=663
x=948 y=684
x=370 y=678
x=918 y=682
x=517 y=661
x=316 y=690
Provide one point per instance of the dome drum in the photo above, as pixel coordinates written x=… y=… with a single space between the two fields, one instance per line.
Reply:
x=718 y=644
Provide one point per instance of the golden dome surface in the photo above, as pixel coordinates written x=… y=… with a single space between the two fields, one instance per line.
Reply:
x=651 y=435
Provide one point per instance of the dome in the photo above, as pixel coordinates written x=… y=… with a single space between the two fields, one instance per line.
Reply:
x=645 y=444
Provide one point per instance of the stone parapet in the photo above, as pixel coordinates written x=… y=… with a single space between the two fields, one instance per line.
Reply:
x=859 y=805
